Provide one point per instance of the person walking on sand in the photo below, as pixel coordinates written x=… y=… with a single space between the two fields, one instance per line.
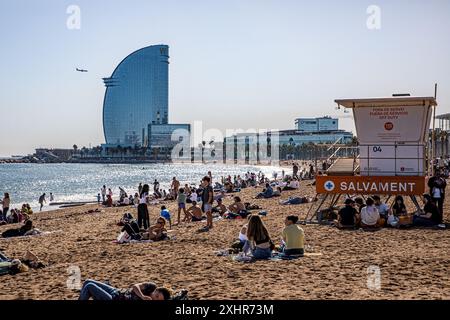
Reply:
x=207 y=201
x=103 y=192
x=182 y=205
x=41 y=201
x=175 y=186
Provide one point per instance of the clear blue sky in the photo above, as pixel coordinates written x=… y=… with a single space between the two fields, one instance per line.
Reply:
x=234 y=64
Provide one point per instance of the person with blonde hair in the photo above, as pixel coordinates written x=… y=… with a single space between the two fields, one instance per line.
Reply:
x=259 y=243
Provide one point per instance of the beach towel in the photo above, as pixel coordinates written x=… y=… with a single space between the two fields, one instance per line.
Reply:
x=32 y=235
x=276 y=256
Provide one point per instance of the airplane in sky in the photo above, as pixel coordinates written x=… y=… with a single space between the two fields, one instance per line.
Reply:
x=81 y=70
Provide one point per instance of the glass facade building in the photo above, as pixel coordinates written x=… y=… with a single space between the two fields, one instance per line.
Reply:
x=136 y=95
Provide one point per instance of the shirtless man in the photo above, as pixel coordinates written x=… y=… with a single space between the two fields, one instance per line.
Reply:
x=220 y=208
x=237 y=206
x=175 y=186
x=195 y=213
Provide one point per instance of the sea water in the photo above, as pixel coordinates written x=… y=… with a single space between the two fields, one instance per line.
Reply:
x=82 y=182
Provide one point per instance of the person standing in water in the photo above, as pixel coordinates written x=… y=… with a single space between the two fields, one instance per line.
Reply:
x=41 y=201
x=103 y=192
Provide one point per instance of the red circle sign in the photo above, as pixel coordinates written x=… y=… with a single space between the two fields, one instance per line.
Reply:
x=388 y=126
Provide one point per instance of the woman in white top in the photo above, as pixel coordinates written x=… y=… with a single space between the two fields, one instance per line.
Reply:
x=370 y=217
x=143 y=215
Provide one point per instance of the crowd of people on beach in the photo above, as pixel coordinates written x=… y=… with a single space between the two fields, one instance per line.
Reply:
x=204 y=202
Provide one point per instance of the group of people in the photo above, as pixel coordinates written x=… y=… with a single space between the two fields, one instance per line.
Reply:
x=255 y=239
x=373 y=213
x=303 y=171
x=13 y=215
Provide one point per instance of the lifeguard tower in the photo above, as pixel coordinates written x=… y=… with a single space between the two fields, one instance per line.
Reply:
x=393 y=152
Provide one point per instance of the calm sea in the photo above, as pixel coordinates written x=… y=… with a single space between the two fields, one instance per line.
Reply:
x=82 y=182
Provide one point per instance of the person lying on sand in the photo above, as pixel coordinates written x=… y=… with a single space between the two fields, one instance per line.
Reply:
x=195 y=213
x=26 y=230
x=142 y=291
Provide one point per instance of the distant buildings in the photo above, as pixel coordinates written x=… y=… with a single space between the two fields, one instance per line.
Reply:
x=135 y=107
x=294 y=143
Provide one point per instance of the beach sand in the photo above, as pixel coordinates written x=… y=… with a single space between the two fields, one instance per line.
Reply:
x=414 y=263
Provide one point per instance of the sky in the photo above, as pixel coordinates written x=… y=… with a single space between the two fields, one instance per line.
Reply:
x=233 y=64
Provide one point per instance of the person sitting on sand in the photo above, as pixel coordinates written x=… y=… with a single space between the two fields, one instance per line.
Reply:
x=187 y=189
x=383 y=209
x=348 y=216
x=359 y=204
x=237 y=206
x=293 y=237
x=229 y=188
x=370 y=217
x=259 y=243
x=156 y=232
x=220 y=208
x=25 y=230
x=195 y=213
x=109 y=201
x=136 y=199
x=166 y=215
x=292 y=185
x=267 y=192
x=142 y=291
x=430 y=215
x=399 y=208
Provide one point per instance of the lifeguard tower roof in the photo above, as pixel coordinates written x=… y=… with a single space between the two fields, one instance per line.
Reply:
x=387 y=102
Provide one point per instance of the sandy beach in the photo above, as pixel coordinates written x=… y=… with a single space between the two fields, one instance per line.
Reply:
x=414 y=263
